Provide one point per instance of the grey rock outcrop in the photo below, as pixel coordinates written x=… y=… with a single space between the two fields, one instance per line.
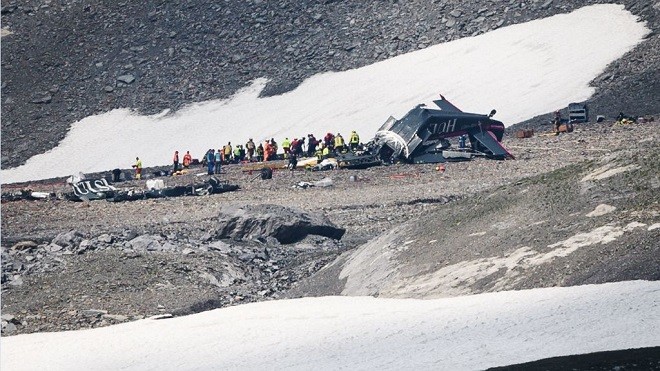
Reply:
x=69 y=239
x=287 y=225
x=146 y=243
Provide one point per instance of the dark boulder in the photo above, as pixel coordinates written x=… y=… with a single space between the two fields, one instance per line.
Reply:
x=287 y=225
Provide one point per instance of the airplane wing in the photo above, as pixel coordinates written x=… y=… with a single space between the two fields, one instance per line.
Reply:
x=488 y=139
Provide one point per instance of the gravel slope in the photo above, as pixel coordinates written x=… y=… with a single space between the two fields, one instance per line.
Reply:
x=107 y=280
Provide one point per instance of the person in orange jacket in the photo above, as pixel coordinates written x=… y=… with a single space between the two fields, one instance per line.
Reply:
x=268 y=150
x=187 y=159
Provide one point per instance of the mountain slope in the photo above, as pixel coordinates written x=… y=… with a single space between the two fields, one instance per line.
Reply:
x=91 y=57
x=592 y=222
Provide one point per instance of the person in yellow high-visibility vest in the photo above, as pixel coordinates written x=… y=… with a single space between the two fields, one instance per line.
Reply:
x=286 y=145
x=138 y=168
x=326 y=151
x=354 y=141
x=226 y=152
x=339 y=143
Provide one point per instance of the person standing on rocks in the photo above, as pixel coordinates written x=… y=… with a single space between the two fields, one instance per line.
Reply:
x=210 y=161
x=293 y=161
x=138 y=168
x=268 y=150
x=354 y=141
x=187 y=159
x=250 y=149
x=557 y=121
x=329 y=141
x=339 y=143
x=286 y=144
x=311 y=145
x=299 y=147
x=227 y=153
x=218 y=161
x=175 y=159
x=237 y=154
x=274 y=149
x=260 y=153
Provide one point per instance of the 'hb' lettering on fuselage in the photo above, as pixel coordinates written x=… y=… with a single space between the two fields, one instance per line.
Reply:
x=444 y=127
x=92 y=186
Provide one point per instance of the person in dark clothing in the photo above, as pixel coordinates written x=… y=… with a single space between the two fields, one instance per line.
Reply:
x=176 y=162
x=242 y=153
x=311 y=145
x=329 y=141
x=293 y=161
x=116 y=175
x=260 y=152
x=557 y=121
x=301 y=144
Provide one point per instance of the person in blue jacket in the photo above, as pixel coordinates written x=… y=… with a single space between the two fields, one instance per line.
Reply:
x=210 y=161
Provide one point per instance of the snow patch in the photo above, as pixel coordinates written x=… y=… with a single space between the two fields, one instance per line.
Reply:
x=654 y=226
x=529 y=56
x=362 y=333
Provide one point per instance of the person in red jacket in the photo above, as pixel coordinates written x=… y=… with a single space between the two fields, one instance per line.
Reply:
x=329 y=141
x=187 y=159
x=311 y=145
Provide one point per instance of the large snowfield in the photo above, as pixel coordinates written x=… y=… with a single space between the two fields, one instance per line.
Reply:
x=521 y=70
x=469 y=332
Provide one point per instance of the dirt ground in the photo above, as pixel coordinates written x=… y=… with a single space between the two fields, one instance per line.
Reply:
x=110 y=283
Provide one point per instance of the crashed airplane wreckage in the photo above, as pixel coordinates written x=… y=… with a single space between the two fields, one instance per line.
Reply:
x=421 y=137
x=100 y=189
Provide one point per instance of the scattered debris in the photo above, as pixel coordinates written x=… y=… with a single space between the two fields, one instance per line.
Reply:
x=578 y=112
x=525 y=133
x=100 y=189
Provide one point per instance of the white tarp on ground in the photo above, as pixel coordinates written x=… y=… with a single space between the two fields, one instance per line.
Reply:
x=469 y=332
x=521 y=70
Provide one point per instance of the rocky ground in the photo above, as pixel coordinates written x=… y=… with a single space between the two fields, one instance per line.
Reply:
x=157 y=55
x=70 y=265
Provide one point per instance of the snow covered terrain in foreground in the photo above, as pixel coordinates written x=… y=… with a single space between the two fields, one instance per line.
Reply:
x=469 y=332
x=521 y=70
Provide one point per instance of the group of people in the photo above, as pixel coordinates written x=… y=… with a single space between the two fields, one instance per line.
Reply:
x=269 y=150
x=187 y=161
x=329 y=146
